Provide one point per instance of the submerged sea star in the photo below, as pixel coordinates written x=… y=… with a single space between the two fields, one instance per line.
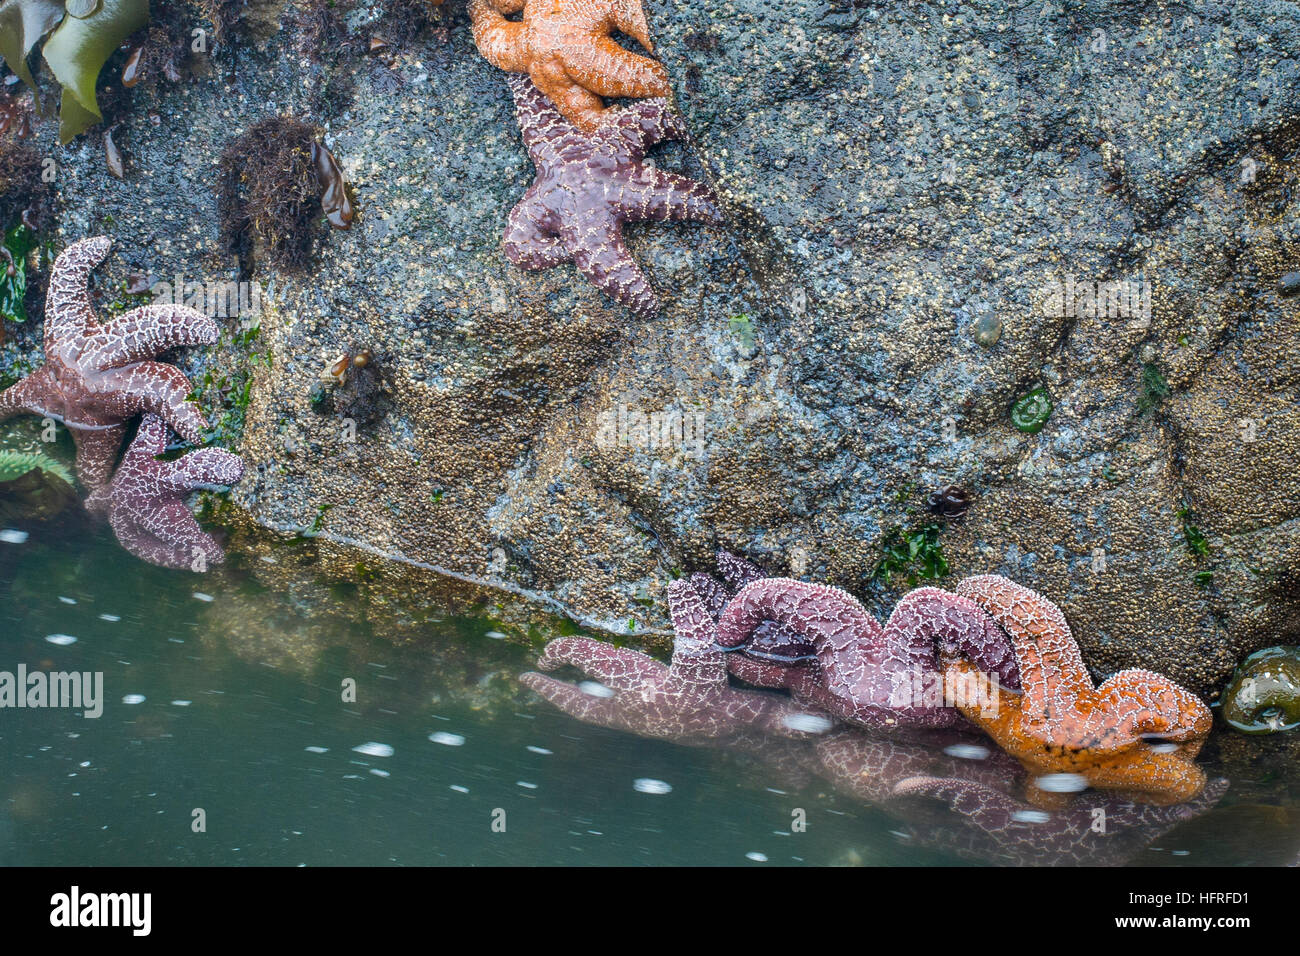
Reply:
x=565 y=46
x=145 y=502
x=1137 y=732
x=989 y=825
x=589 y=185
x=888 y=676
x=97 y=376
x=690 y=700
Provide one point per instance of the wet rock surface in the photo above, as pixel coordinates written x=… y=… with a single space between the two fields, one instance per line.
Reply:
x=900 y=179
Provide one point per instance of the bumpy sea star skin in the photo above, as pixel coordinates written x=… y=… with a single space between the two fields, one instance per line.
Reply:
x=145 y=500
x=771 y=641
x=888 y=676
x=690 y=700
x=1137 y=732
x=589 y=185
x=97 y=376
x=565 y=46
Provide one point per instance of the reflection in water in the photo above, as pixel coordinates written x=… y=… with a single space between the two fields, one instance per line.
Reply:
x=691 y=701
x=239 y=711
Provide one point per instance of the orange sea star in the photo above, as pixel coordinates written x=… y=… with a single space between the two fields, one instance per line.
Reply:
x=1138 y=731
x=565 y=46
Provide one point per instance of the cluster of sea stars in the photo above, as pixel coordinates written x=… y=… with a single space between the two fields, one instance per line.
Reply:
x=592 y=177
x=994 y=652
x=97 y=377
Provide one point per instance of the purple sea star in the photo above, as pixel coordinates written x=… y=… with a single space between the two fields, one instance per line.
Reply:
x=690 y=700
x=589 y=184
x=97 y=376
x=145 y=500
x=888 y=676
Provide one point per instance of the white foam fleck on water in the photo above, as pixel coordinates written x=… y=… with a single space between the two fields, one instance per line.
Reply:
x=352 y=776
x=495 y=635
x=67 y=600
x=12 y=536
x=459 y=789
x=379 y=773
x=111 y=618
x=317 y=750
x=200 y=596
x=808 y=723
x=1061 y=782
x=446 y=739
x=1030 y=816
x=525 y=784
x=63 y=640
x=133 y=699
x=372 y=749
x=540 y=750
x=650 y=785
x=756 y=856
x=84 y=763
x=593 y=689
x=182 y=703
x=967 y=751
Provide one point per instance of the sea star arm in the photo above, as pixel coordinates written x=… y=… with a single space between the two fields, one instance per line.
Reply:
x=159 y=389
x=1137 y=704
x=618 y=668
x=607 y=69
x=29 y=396
x=736 y=571
x=711 y=592
x=574 y=701
x=930 y=620
x=502 y=42
x=642 y=125
x=142 y=333
x=174 y=525
x=1052 y=673
x=526 y=243
x=97 y=449
x=69 y=314
x=539 y=120
x=584 y=108
x=656 y=195
x=606 y=262
x=146 y=546
x=840 y=627
x=201 y=468
x=695 y=658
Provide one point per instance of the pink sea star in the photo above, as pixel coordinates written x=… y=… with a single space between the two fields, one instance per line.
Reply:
x=690 y=700
x=888 y=676
x=589 y=184
x=97 y=376
x=145 y=500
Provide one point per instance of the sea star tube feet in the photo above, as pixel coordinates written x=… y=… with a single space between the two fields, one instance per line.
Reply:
x=97 y=376
x=566 y=48
x=1138 y=732
x=145 y=500
x=689 y=700
x=589 y=184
